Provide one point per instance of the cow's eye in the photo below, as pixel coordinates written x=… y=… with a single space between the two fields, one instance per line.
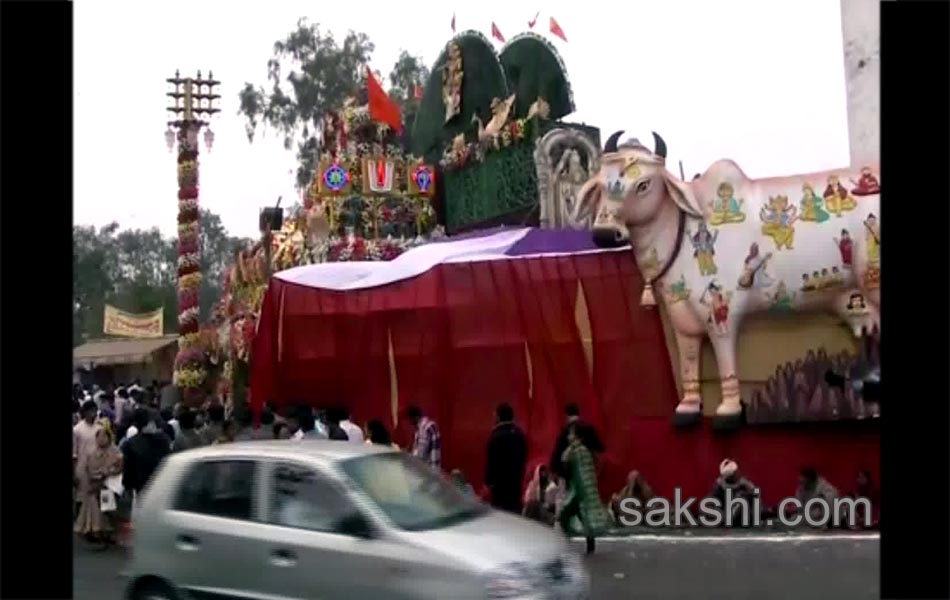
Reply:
x=643 y=186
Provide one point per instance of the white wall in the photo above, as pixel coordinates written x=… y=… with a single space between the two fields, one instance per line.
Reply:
x=861 y=32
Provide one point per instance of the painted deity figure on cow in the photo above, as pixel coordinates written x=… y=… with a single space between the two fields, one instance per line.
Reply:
x=704 y=248
x=812 y=209
x=778 y=219
x=837 y=198
x=725 y=207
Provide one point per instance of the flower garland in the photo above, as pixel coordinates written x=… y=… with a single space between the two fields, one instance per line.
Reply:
x=190 y=369
x=460 y=154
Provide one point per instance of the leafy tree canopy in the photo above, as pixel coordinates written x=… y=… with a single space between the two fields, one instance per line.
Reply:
x=136 y=270
x=311 y=72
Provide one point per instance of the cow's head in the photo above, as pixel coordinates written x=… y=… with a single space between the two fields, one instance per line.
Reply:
x=631 y=189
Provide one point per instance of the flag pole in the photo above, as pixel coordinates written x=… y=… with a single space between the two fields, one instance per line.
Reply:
x=682 y=175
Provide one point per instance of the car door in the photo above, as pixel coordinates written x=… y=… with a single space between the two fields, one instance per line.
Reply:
x=315 y=552
x=211 y=536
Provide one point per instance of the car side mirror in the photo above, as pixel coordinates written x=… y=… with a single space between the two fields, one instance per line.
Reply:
x=356 y=525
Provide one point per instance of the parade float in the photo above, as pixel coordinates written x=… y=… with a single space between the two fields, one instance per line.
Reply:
x=542 y=316
x=368 y=201
x=494 y=123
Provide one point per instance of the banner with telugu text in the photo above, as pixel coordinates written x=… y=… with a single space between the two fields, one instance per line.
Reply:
x=144 y=325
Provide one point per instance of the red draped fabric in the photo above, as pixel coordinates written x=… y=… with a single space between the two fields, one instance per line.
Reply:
x=467 y=336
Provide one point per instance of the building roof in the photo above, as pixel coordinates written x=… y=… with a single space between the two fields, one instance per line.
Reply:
x=119 y=351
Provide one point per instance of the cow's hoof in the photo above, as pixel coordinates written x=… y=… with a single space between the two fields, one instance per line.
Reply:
x=727 y=422
x=687 y=419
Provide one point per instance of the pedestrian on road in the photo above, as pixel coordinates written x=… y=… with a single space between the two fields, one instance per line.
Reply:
x=188 y=438
x=103 y=462
x=334 y=430
x=84 y=442
x=379 y=435
x=266 y=430
x=353 y=431
x=303 y=425
x=584 y=431
x=427 y=444
x=505 y=464
x=281 y=431
x=245 y=430
x=143 y=453
x=540 y=497
x=583 y=499
x=122 y=405
x=215 y=426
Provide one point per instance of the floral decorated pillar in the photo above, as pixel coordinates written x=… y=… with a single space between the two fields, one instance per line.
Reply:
x=189 y=364
x=192 y=103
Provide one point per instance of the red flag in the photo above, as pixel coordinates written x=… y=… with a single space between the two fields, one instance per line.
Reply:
x=556 y=30
x=382 y=109
x=496 y=33
x=453 y=22
x=534 y=20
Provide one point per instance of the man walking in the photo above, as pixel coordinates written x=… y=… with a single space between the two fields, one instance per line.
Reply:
x=505 y=464
x=427 y=444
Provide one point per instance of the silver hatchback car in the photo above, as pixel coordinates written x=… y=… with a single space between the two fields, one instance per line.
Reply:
x=321 y=519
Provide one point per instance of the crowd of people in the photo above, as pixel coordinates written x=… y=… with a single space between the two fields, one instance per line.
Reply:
x=121 y=435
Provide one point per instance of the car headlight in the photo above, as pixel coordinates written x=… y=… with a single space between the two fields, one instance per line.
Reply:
x=512 y=581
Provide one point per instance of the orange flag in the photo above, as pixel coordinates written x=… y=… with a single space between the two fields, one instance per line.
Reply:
x=496 y=33
x=382 y=109
x=556 y=30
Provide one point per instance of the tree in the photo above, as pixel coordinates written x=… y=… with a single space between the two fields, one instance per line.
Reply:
x=310 y=74
x=320 y=75
x=408 y=75
x=95 y=268
x=137 y=270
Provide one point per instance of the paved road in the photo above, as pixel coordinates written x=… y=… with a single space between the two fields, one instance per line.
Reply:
x=711 y=565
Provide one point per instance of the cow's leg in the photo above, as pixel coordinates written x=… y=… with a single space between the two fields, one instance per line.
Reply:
x=689 y=410
x=729 y=412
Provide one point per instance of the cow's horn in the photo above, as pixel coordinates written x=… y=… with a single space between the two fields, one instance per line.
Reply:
x=611 y=145
x=659 y=145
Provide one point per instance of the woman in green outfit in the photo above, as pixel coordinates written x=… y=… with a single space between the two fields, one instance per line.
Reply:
x=583 y=499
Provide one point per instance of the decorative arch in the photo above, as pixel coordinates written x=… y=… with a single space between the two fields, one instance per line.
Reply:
x=483 y=79
x=533 y=68
x=556 y=210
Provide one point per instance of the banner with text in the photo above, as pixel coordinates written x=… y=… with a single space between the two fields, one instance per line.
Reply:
x=145 y=325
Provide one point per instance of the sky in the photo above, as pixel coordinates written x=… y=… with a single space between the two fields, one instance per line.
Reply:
x=758 y=81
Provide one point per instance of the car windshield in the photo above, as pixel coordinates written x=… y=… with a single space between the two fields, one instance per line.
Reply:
x=412 y=495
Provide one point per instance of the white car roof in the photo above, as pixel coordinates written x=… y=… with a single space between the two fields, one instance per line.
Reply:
x=321 y=451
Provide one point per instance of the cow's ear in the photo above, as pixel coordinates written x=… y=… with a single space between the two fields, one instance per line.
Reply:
x=588 y=198
x=684 y=195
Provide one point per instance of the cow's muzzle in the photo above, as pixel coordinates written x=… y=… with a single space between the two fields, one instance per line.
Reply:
x=608 y=237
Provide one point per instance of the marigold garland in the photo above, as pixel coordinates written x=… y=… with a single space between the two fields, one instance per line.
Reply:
x=189 y=363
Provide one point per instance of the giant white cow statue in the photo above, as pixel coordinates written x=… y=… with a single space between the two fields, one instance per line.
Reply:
x=723 y=246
